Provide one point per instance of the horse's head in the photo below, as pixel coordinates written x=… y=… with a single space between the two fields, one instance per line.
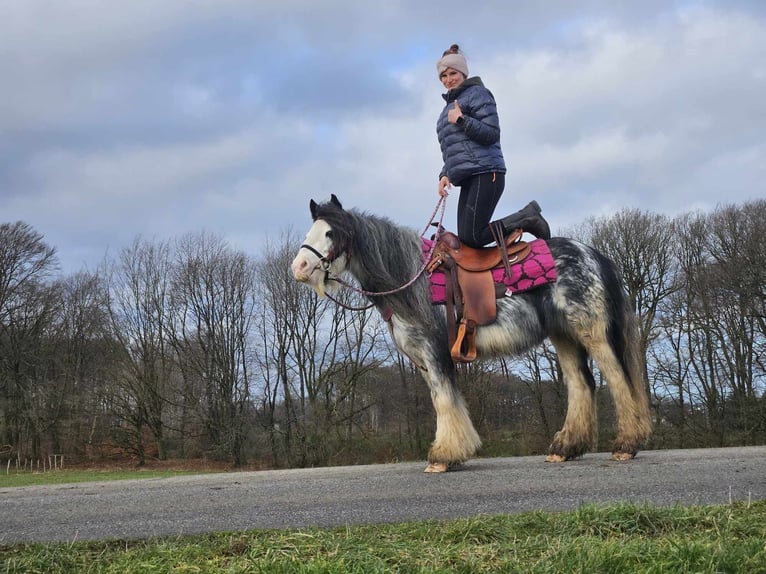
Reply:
x=324 y=252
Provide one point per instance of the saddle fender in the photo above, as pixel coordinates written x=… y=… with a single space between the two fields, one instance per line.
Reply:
x=472 y=293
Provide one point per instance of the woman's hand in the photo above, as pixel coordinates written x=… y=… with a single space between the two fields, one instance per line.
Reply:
x=454 y=113
x=444 y=185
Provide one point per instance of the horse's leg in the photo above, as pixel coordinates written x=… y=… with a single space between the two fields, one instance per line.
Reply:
x=630 y=399
x=456 y=438
x=578 y=434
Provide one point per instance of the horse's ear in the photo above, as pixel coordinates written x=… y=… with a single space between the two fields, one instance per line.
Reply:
x=334 y=201
x=313 y=208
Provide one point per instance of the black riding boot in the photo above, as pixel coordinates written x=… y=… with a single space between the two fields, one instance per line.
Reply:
x=528 y=219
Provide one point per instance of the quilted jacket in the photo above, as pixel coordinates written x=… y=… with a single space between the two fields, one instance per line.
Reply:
x=474 y=147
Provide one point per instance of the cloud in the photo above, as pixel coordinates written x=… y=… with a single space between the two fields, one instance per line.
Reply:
x=162 y=118
x=641 y=110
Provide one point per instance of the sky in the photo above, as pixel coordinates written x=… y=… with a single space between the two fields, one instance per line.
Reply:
x=121 y=120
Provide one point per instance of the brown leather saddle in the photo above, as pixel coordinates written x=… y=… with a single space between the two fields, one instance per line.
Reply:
x=471 y=291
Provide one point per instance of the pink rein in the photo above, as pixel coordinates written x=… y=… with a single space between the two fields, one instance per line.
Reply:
x=443 y=203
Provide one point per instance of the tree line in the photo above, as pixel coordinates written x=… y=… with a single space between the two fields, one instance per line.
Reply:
x=189 y=348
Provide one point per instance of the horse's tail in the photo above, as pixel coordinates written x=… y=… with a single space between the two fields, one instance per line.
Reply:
x=625 y=341
x=635 y=359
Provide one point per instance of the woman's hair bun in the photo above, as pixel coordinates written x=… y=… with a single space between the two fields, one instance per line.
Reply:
x=453 y=49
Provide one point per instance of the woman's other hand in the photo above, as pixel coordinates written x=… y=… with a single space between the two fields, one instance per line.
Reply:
x=444 y=186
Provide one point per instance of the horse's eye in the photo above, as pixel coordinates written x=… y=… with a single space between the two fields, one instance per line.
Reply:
x=329 y=234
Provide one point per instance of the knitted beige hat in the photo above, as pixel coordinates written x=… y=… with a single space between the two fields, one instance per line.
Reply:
x=454 y=61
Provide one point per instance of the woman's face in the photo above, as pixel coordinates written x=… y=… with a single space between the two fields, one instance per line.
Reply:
x=451 y=78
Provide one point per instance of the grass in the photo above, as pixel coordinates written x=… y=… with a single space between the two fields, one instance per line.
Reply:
x=619 y=538
x=595 y=539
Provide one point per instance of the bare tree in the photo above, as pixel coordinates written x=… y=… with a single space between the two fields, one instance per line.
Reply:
x=641 y=245
x=360 y=351
x=404 y=402
x=139 y=309
x=24 y=258
x=694 y=316
x=540 y=373
x=82 y=357
x=215 y=293
x=738 y=259
x=289 y=324
x=670 y=372
x=27 y=309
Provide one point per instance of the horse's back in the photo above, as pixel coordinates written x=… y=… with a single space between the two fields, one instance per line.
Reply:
x=584 y=295
x=580 y=268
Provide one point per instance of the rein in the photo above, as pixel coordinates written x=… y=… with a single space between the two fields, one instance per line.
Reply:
x=325 y=262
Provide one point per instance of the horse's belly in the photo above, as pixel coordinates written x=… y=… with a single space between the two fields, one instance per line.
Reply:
x=516 y=329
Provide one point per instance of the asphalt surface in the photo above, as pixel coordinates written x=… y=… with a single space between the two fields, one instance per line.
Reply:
x=372 y=494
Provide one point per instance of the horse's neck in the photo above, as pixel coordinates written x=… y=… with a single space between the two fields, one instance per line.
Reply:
x=398 y=243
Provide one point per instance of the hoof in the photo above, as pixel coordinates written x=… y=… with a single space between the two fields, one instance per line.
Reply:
x=443 y=466
x=623 y=456
x=555 y=458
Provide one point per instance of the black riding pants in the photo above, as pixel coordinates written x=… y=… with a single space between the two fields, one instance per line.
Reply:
x=478 y=198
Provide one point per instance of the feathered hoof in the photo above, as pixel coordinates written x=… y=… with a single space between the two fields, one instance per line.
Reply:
x=623 y=456
x=555 y=458
x=437 y=467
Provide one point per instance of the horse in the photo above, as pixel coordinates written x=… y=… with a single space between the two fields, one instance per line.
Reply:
x=584 y=313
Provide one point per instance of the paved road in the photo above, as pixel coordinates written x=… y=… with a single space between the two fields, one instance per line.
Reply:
x=372 y=494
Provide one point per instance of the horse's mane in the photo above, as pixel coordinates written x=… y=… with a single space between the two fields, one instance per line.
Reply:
x=382 y=255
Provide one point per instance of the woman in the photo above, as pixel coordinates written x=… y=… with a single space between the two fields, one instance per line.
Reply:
x=469 y=135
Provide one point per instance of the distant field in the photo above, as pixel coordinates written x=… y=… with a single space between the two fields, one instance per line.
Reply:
x=65 y=476
x=118 y=471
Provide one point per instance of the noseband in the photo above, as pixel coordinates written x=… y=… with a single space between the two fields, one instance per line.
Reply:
x=324 y=264
x=324 y=260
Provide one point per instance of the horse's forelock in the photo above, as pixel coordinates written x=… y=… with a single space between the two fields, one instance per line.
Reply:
x=340 y=221
x=325 y=210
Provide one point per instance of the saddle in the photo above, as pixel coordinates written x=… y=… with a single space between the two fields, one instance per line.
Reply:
x=472 y=292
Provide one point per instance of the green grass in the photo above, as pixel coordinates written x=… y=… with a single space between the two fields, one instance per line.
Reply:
x=64 y=476
x=593 y=539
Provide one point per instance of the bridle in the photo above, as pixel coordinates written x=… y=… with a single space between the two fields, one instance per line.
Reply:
x=325 y=261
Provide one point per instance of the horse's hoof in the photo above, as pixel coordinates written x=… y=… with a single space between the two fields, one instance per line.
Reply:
x=437 y=467
x=555 y=458
x=623 y=456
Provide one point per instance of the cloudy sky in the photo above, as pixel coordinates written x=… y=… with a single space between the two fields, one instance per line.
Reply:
x=158 y=118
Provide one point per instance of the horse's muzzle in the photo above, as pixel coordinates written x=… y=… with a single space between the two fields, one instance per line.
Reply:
x=302 y=269
x=306 y=271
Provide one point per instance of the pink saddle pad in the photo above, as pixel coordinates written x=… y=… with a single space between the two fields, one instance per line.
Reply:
x=537 y=269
